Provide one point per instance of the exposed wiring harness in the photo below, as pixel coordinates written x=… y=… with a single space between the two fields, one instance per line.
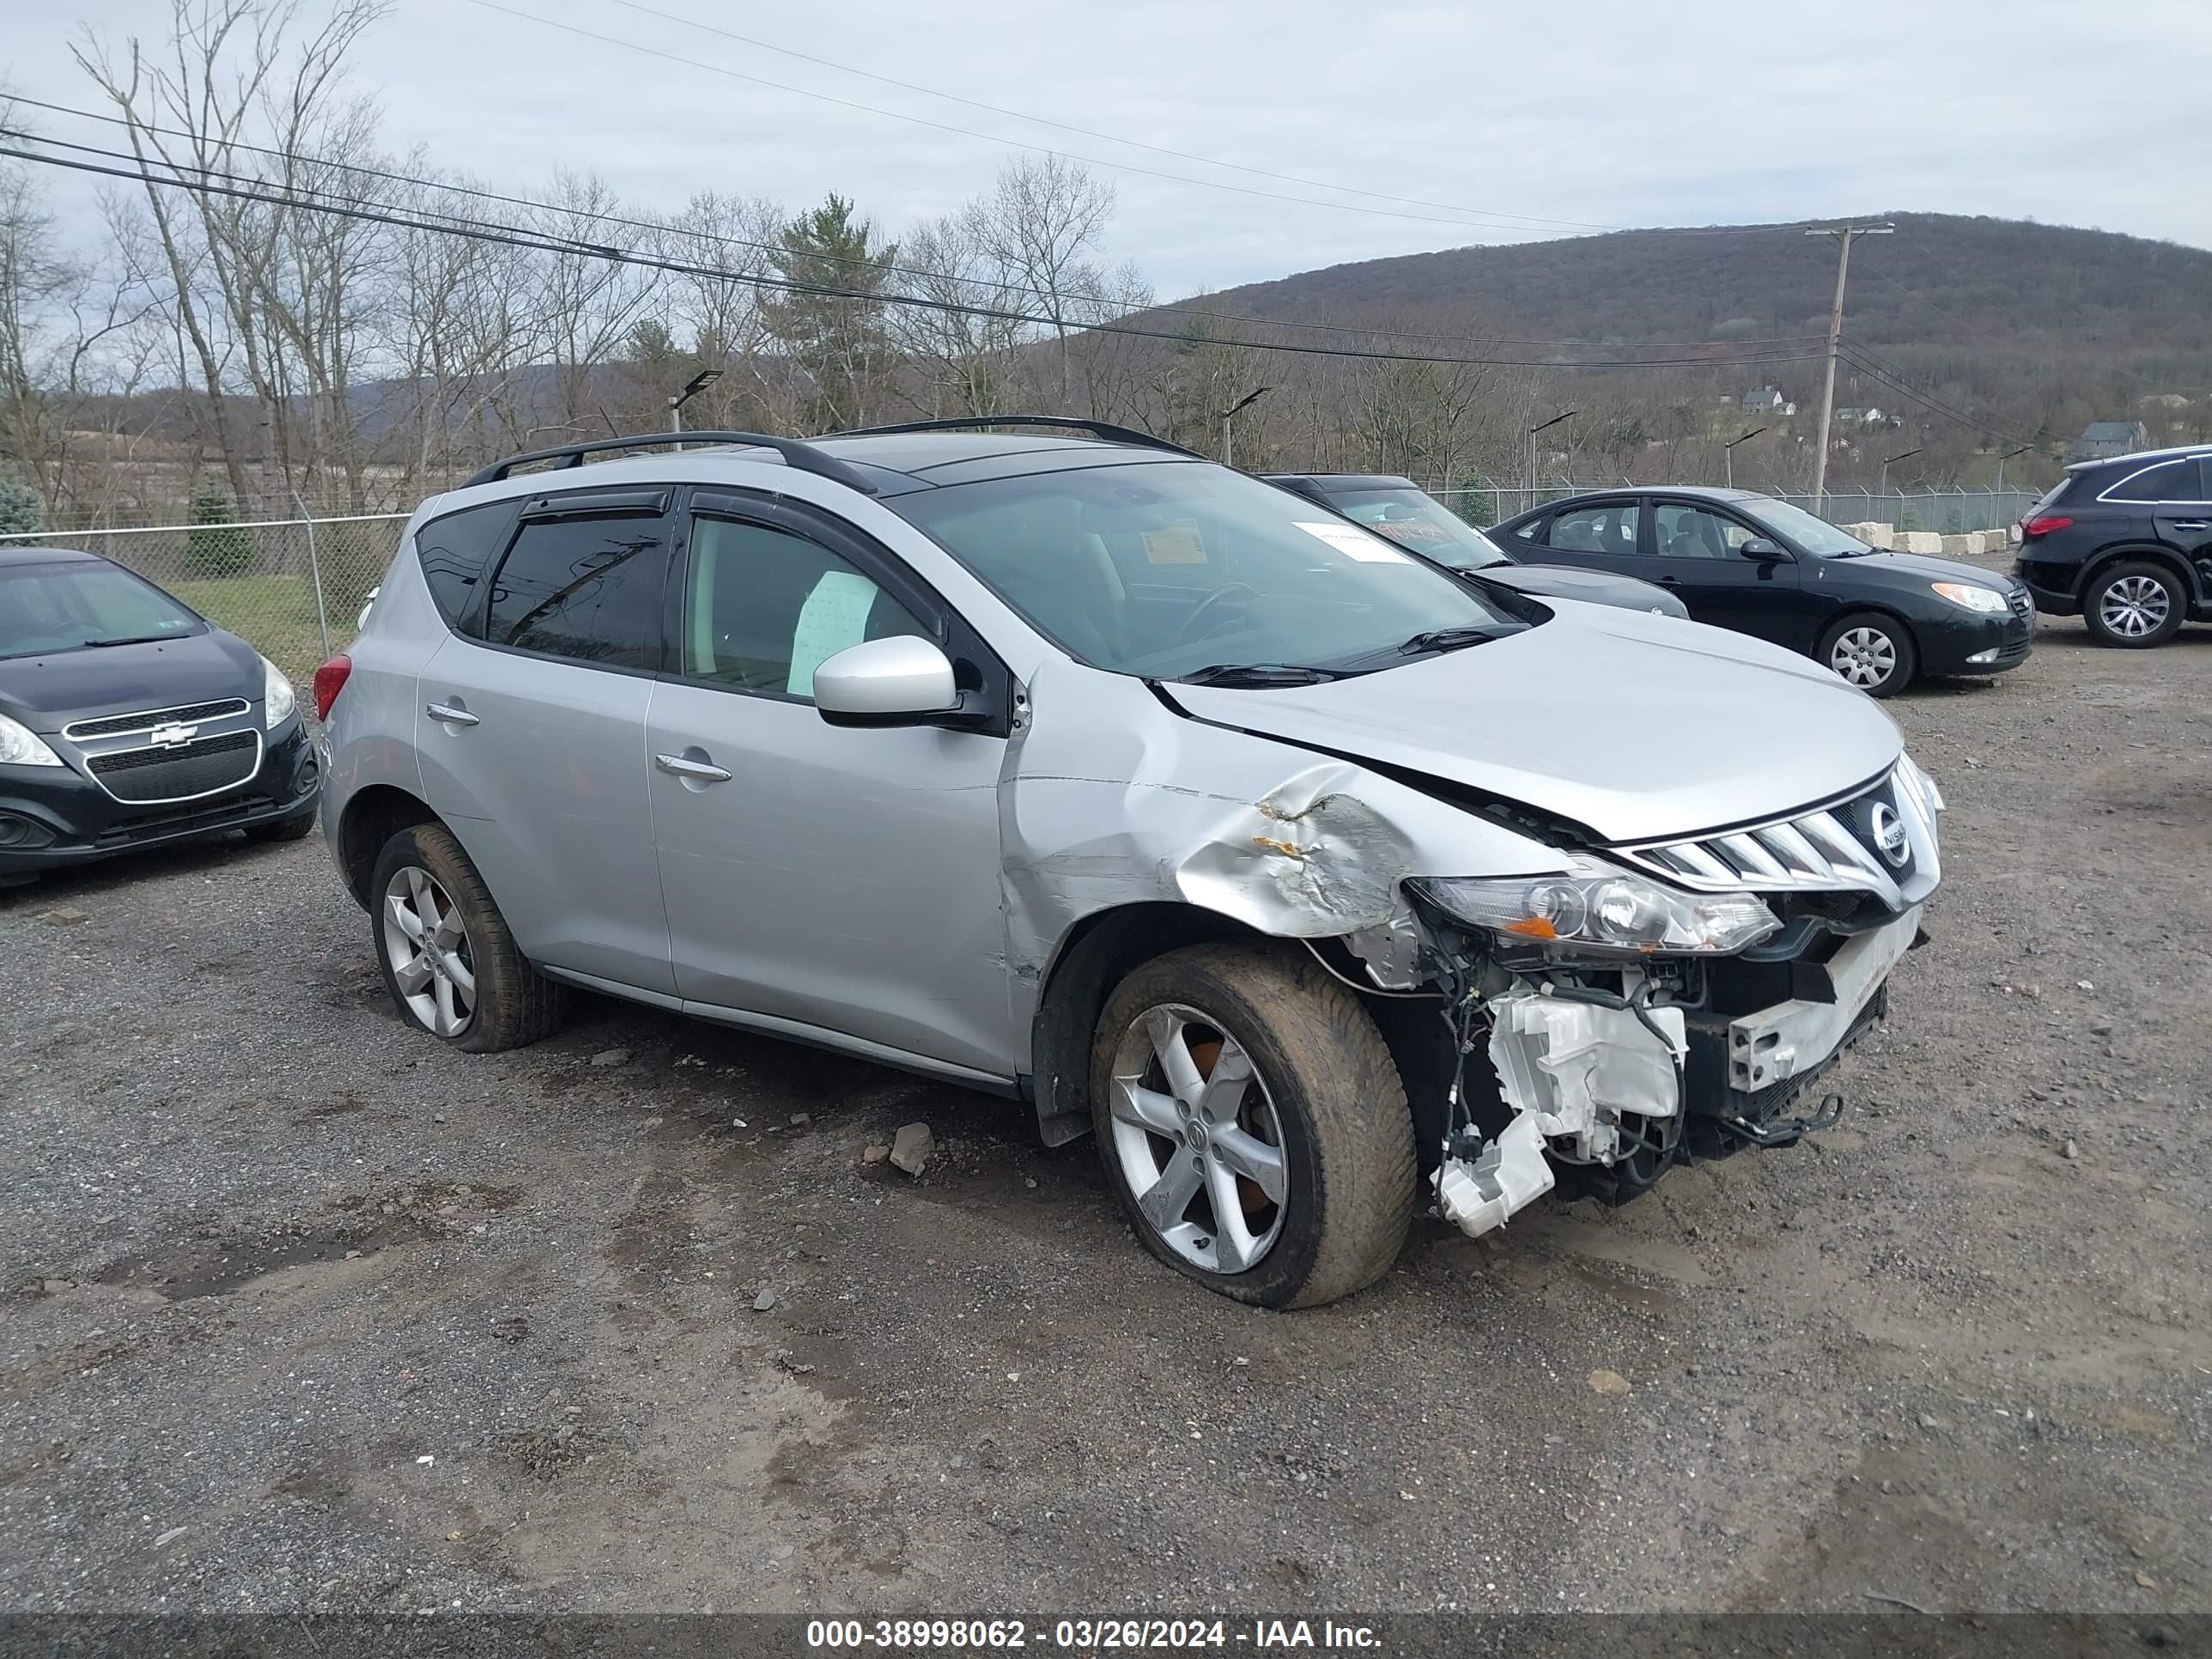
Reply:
x=1364 y=990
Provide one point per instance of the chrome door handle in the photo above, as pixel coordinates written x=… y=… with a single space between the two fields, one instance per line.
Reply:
x=678 y=766
x=2192 y=524
x=450 y=714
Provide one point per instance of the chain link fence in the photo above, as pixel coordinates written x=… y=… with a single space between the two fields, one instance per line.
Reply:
x=291 y=588
x=1947 y=512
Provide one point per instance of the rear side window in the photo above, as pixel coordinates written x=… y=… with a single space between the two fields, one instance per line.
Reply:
x=766 y=608
x=456 y=550
x=1608 y=529
x=2176 y=481
x=585 y=588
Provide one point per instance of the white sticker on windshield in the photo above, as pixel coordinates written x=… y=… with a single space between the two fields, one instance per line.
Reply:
x=835 y=616
x=1354 y=543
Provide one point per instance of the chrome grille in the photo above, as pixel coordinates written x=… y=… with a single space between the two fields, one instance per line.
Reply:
x=115 y=725
x=156 y=776
x=1828 y=850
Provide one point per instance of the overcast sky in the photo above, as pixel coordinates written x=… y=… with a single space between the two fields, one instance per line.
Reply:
x=1607 y=112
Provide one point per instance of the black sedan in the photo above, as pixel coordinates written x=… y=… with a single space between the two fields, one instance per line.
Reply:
x=1763 y=567
x=1410 y=516
x=127 y=719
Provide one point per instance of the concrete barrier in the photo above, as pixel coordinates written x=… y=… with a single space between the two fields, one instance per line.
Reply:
x=1918 y=541
x=1966 y=546
x=1873 y=533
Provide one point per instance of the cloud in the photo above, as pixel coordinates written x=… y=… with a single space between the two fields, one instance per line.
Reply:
x=1607 y=111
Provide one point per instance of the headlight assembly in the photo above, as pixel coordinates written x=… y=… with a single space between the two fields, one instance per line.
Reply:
x=22 y=746
x=1600 y=910
x=277 y=700
x=1973 y=596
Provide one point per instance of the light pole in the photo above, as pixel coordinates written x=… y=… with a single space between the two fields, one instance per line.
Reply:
x=1728 y=452
x=1228 y=450
x=1843 y=233
x=692 y=388
x=2007 y=456
x=1906 y=456
x=1533 y=431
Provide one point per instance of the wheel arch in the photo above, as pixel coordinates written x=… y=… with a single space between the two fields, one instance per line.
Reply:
x=371 y=818
x=2157 y=553
x=1888 y=613
x=1095 y=956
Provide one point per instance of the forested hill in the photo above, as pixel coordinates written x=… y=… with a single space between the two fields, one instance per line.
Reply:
x=1942 y=280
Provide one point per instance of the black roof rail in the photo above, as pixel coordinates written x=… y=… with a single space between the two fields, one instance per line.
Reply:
x=795 y=451
x=1120 y=434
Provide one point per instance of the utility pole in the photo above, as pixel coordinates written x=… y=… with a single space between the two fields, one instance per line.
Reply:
x=1844 y=235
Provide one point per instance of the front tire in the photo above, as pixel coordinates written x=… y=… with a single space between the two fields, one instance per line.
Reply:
x=2134 y=605
x=1873 y=652
x=293 y=828
x=1253 y=1125
x=449 y=962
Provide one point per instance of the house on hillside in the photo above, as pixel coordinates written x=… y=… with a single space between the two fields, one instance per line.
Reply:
x=1767 y=400
x=1859 y=417
x=2102 y=439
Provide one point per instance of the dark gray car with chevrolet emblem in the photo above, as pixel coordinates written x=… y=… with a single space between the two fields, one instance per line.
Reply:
x=127 y=719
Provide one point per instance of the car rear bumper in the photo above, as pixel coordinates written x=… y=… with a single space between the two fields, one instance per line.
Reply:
x=52 y=818
x=2051 y=586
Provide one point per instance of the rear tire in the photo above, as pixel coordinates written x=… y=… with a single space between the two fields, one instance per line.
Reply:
x=2134 y=605
x=1871 y=651
x=449 y=962
x=1306 y=1139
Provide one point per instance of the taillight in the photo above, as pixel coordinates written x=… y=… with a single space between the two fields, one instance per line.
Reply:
x=330 y=680
x=2043 y=527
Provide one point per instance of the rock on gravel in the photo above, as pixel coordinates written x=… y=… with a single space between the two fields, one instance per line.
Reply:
x=912 y=1147
x=612 y=1057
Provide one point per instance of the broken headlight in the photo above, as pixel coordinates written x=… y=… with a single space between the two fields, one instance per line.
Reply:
x=1600 y=910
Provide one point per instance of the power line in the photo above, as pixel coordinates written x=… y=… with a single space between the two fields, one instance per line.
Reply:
x=671 y=227
x=1858 y=359
x=544 y=243
x=994 y=139
x=1111 y=138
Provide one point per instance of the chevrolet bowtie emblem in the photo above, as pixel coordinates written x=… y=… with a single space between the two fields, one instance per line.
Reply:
x=172 y=735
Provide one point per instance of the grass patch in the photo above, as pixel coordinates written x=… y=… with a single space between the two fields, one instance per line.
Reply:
x=275 y=615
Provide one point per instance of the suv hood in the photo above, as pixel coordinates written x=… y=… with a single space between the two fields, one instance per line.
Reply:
x=1636 y=727
x=47 y=692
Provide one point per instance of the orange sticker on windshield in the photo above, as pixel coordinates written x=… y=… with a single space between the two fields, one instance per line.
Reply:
x=1175 y=543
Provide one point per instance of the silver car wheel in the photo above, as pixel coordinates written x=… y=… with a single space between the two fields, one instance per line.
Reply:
x=2135 y=606
x=427 y=944
x=1865 y=656
x=1197 y=1140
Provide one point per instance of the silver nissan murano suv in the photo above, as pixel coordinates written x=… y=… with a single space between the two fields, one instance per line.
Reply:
x=1320 y=883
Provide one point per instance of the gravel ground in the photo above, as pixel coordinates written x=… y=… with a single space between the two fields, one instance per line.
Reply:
x=299 y=1310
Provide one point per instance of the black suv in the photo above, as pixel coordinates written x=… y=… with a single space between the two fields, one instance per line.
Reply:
x=2125 y=544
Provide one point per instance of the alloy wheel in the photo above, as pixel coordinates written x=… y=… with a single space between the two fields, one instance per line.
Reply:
x=2135 y=606
x=1865 y=656
x=427 y=943
x=1197 y=1138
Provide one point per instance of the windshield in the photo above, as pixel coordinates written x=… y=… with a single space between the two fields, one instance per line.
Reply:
x=1164 y=568
x=1420 y=522
x=45 y=608
x=1814 y=536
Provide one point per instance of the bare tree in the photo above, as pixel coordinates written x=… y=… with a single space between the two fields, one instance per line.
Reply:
x=1043 y=223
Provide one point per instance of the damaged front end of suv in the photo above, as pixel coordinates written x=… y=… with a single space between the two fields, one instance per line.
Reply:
x=1663 y=1001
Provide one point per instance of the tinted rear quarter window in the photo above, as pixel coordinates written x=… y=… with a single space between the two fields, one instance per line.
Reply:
x=2175 y=480
x=456 y=550
x=585 y=588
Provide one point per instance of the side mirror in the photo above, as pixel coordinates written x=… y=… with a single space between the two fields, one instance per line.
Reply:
x=900 y=681
x=1766 y=549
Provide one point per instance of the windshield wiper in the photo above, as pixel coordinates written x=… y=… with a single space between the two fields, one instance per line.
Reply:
x=1451 y=638
x=1254 y=673
x=143 y=639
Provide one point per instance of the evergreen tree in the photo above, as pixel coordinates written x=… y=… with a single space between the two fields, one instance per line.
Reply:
x=836 y=339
